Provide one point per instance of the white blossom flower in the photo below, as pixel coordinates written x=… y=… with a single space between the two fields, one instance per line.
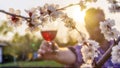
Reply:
x=110 y=35
x=115 y=7
x=33 y=25
x=106 y=25
x=89 y=50
x=33 y=15
x=34 y=19
x=43 y=10
x=16 y=21
x=31 y=11
x=107 y=29
x=54 y=11
x=93 y=43
x=51 y=11
x=116 y=54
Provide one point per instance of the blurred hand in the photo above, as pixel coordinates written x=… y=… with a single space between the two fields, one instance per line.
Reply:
x=61 y=55
x=46 y=50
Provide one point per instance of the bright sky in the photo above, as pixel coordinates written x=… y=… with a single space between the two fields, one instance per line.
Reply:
x=73 y=12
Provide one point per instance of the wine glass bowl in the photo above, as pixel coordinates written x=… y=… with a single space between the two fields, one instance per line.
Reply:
x=49 y=35
x=48 y=32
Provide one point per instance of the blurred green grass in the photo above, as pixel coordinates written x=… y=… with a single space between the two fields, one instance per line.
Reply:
x=32 y=64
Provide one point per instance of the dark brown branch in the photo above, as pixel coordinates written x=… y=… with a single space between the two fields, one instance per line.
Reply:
x=106 y=55
x=2 y=11
x=28 y=18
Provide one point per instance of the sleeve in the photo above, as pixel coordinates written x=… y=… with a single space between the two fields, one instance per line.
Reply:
x=76 y=50
x=73 y=50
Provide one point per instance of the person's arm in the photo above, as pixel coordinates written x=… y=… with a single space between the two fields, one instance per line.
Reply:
x=63 y=55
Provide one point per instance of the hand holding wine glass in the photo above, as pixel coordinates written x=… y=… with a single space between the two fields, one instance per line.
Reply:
x=48 y=32
x=45 y=51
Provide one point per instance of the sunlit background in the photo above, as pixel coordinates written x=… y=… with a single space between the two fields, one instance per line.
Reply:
x=63 y=33
x=74 y=12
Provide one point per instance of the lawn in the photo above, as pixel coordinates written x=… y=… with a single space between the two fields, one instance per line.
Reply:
x=32 y=64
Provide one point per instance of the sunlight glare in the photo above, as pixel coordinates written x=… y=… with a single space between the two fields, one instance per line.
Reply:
x=76 y=14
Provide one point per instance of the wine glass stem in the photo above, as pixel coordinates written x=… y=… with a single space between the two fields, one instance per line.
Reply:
x=52 y=46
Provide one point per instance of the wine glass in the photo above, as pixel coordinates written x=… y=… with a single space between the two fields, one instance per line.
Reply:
x=48 y=32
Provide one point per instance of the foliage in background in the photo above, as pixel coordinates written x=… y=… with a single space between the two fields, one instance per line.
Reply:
x=21 y=45
x=4 y=28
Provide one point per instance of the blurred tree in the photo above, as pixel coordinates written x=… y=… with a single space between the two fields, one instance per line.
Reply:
x=4 y=28
x=23 y=45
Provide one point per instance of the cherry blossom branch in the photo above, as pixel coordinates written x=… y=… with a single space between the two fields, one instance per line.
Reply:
x=28 y=18
x=81 y=34
x=68 y=6
x=2 y=11
x=107 y=54
x=105 y=57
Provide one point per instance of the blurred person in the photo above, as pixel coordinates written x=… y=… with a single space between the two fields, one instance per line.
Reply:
x=71 y=56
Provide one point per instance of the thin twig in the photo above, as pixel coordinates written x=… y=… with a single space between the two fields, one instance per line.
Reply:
x=68 y=6
x=28 y=18
x=81 y=34
x=2 y=11
x=106 y=55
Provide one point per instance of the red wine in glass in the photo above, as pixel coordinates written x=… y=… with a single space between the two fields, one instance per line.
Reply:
x=49 y=35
